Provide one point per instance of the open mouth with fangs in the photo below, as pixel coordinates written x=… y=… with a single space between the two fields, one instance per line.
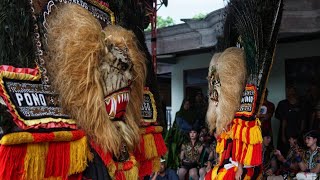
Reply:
x=116 y=103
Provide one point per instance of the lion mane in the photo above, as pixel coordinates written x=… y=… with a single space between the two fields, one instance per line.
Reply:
x=229 y=66
x=77 y=47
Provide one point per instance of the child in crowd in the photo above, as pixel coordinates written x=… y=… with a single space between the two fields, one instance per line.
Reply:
x=290 y=166
x=309 y=160
x=208 y=156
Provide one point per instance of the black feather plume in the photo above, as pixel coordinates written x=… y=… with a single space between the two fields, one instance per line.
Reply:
x=256 y=23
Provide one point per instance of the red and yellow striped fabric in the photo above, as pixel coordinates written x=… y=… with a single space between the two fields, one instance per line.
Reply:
x=151 y=148
x=57 y=155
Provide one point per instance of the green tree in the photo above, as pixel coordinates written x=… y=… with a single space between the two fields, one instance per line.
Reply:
x=199 y=16
x=162 y=22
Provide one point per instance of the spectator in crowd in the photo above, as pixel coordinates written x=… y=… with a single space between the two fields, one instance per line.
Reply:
x=200 y=106
x=311 y=101
x=164 y=172
x=290 y=166
x=186 y=118
x=315 y=117
x=309 y=160
x=208 y=155
x=289 y=113
x=189 y=156
x=266 y=113
x=268 y=161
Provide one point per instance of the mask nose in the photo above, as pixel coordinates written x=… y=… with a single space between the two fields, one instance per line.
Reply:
x=124 y=66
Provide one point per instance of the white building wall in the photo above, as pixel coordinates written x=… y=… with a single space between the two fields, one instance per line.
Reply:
x=177 y=81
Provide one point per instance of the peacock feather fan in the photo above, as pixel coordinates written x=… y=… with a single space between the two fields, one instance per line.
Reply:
x=256 y=24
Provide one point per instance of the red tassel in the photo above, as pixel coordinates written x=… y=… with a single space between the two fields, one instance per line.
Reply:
x=256 y=155
x=208 y=175
x=58 y=160
x=161 y=146
x=239 y=155
x=230 y=174
x=228 y=150
x=145 y=168
x=120 y=175
x=106 y=157
x=12 y=161
x=139 y=152
x=234 y=149
x=224 y=154
x=244 y=153
x=250 y=172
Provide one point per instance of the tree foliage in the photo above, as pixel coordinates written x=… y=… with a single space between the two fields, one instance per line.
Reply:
x=199 y=16
x=162 y=22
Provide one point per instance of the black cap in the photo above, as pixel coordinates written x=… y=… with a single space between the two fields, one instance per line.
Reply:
x=312 y=133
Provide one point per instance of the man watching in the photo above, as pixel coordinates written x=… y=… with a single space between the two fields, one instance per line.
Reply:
x=164 y=173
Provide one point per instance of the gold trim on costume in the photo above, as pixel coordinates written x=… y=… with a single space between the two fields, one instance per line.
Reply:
x=27 y=77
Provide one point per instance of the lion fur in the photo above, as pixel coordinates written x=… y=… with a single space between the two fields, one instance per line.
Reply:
x=76 y=47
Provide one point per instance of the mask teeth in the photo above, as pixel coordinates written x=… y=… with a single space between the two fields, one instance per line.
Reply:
x=119 y=98
x=128 y=97
x=115 y=100
x=113 y=109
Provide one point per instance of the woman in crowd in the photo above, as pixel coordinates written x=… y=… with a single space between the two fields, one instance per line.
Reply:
x=186 y=117
x=269 y=162
x=189 y=156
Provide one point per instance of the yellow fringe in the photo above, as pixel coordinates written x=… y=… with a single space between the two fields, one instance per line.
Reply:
x=255 y=136
x=238 y=131
x=79 y=155
x=237 y=149
x=156 y=164
x=35 y=161
x=214 y=172
x=133 y=173
x=112 y=170
x=248 y=155
x=244 y=133
x=218 y=175
x=150 y=146
x=220 y=146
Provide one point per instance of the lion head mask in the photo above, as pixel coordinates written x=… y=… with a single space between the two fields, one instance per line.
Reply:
x=226 y=82
x=99 y=74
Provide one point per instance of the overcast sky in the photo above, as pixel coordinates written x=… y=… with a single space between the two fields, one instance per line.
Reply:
x=184 y=9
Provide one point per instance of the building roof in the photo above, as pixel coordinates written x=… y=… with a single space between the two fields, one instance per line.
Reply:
x=299 y=18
